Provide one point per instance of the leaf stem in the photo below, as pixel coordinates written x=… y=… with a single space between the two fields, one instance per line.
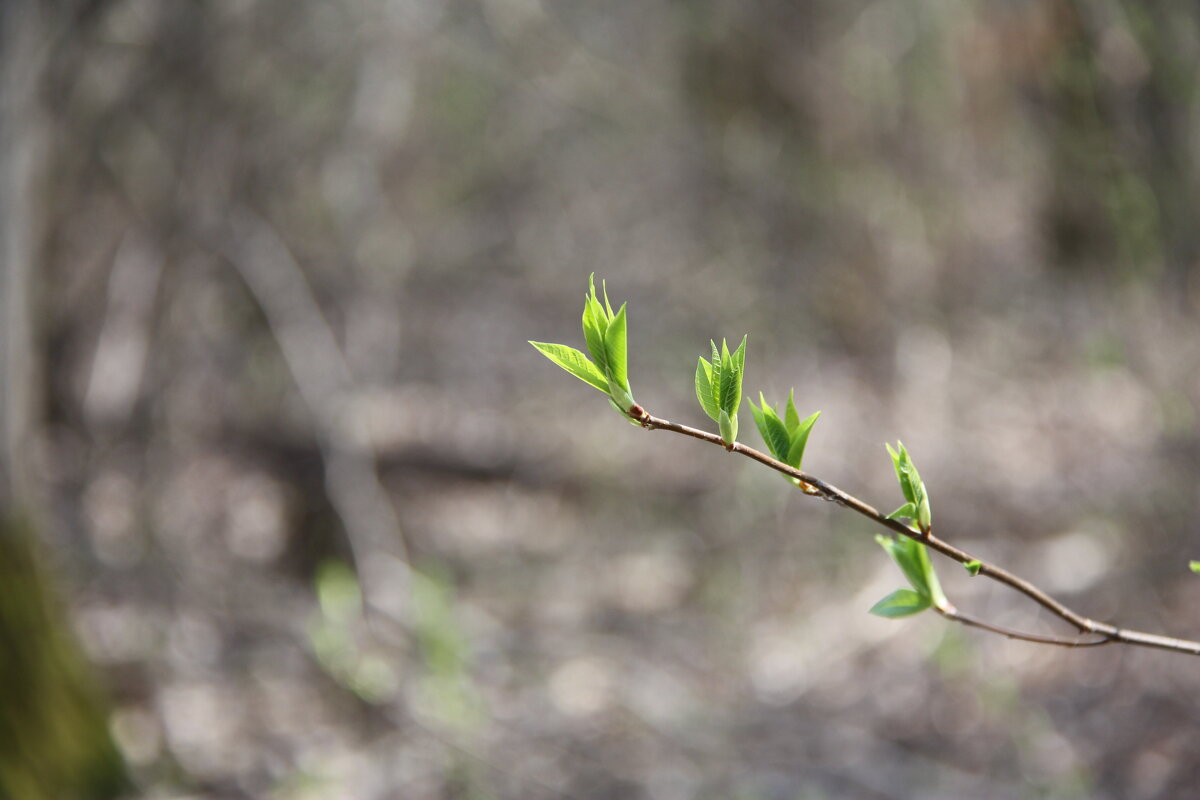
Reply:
x=813 y=485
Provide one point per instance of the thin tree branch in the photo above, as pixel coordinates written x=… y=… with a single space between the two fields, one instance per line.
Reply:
x=953 y=613
x=813 y=485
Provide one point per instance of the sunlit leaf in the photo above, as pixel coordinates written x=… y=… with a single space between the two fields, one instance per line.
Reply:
x=899 y=551
x=594 y=326
x=900 y=603
x=717 y=371
x=911 y=485
x=729 y=427
x=973 y=567
x=760 y=421
x=773 y=431
x=913 y=559
x=728 y=385
x=614 y=346
x=800 y=433
x=704 y=392
x=573 y=362
x=739 y=365
x=790 y=417
x=731 y=377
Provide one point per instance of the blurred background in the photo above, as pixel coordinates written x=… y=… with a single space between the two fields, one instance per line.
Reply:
x=292 y=511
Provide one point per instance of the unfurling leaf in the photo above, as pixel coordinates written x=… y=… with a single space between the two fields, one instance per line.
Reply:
x=738 y=364
x=719 y=386
x=906 y=511
x=790 y=416
x=973 y=567
x=786 y=438
x=614 y=348
x=573 y=362
x=704 y=390
x=731 y=381
x=618 y=370
x=595 y=326
x=717 y=369
x=900 y=603
x=772 y=428
x=903 y=466
x=728 y=426
x=912 y=487
x=760 y=421
x=799 y=435
x=913 y=559
x=606 y=336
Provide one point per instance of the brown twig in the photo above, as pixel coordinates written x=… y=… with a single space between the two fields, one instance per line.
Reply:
x=1099 y=633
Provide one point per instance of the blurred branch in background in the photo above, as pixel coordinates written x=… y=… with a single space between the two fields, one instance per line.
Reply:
x=324 y=380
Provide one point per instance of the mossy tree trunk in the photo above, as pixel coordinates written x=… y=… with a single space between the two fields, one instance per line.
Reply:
x=54 y=740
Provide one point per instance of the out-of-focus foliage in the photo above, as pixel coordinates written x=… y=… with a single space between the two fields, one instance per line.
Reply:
x=291 y=252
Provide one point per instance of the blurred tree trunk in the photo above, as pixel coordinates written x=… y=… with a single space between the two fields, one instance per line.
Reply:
x=54 y=741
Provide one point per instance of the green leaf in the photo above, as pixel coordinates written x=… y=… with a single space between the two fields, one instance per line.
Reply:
x=900 y=603
x=739 y=365
x=704 y=392
x=903 y=466
x=729 y=427
x=760 y=421
x=906 y=511
x=773 y=431
x=614 y=346
x=800 y=433
x=1194 y=566
x=790 y=416
x=913 y=559
x=900 y=552
x=573 y=362
x=973 y=567
x=728 y=386
x=912 y=486
x=731 y=377
x=717 y=370
x=594 y=327
x=739 y=355
x=921 y=558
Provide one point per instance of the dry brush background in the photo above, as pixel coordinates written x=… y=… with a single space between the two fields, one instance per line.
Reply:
x=288 y=255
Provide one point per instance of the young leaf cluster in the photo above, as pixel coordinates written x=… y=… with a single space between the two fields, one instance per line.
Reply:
x=913 y=559
x=719 y=390
x=605 y=334
x=786 y=438
x=719 y=387
x=916 y=507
